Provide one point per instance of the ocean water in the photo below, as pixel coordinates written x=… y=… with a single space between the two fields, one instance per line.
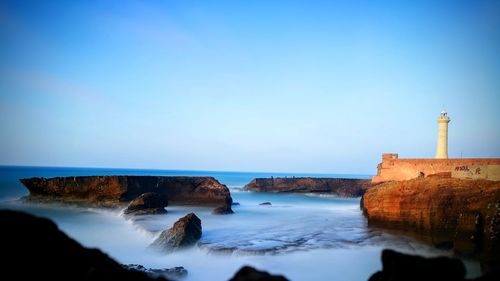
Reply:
x=302 y=236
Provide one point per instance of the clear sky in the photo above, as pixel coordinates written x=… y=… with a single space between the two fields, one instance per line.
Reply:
x=294 y=86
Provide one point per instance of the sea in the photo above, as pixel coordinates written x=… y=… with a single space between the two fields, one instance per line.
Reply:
x=305 y=237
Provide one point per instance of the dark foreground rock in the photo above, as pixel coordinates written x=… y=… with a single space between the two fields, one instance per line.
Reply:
x=464 y=214
x=185 y=232
x=339 y=187
x=35 y=249
x=402 y=267
x=248 y=273
x=398 y=266
x=113 y=190
x=149 y=203
x=177 y=272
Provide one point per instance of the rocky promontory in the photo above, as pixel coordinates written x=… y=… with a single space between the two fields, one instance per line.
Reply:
x=340 y=187
x=113 y=190
x=463 y=214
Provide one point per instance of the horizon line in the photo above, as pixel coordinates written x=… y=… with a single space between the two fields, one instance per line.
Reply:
x=189 y=170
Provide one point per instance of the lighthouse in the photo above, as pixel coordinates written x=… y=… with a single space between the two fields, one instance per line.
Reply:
x=442 y=144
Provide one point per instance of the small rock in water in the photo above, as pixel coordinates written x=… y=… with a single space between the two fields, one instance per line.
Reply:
x=223 y=210
x=235 y=204
x=149 y=203
x=171 y=273
x=185 y=232
x=265 y=204
x=248 y=273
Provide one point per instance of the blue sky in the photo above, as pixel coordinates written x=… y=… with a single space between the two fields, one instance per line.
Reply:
x=295 y=86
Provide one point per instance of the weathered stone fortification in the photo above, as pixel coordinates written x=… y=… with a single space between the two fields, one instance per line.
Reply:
x=340 y=187
x=457 y=212
x=393 y=168
x=111 y=190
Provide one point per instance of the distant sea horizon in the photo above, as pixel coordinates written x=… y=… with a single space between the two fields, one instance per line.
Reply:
x=11 y=187
x=305 y=173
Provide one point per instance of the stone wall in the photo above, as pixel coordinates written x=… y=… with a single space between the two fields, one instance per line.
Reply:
x=393 y=168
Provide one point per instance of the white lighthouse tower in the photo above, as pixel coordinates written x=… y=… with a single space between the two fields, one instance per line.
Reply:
x=442 y=144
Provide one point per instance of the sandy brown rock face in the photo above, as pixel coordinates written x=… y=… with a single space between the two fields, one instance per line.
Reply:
x=185 y=232
x=340 y=187
x=111 y=190
x=461 y=213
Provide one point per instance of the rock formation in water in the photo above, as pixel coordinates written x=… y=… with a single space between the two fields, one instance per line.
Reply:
x=111 y=190
x=35 y=249
x=464 y=214
x=224 y=209
x=185 y=232
x=340 y=187
x=149 y=203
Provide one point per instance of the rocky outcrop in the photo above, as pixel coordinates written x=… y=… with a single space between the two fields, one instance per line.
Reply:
x=35 y=249
x=111 y=190
x=340 y=187
x=149 y=203
x=464 y=214
x=185 y=232
x=248 y=273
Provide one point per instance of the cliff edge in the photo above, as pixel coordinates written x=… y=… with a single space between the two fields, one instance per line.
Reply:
x=464 y=214
x=340 y=187
x=112 y=190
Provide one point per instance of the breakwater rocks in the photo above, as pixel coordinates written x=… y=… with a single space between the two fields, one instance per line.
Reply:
x=340 y=187
x=463 y=214
x=113 y=190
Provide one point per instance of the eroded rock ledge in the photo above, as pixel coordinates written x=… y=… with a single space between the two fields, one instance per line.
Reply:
x=464 y=214
x=112 y=190
x=340 y=187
